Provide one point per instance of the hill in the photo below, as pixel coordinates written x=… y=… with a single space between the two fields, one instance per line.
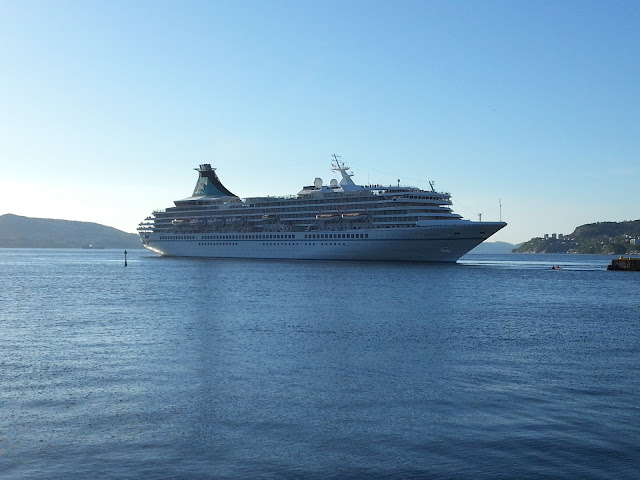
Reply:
x=26 y=232
x=493 y=248
x=606 y=238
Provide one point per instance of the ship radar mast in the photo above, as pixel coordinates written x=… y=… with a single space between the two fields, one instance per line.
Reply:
x=339 y=166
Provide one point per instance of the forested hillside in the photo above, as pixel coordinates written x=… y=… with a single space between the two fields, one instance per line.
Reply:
x=26 y=232
x=618 y=238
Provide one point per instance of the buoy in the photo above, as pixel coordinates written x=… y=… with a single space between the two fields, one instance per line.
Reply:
x=125 y=258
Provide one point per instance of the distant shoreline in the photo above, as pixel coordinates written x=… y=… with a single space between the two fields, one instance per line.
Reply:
x=25 y=232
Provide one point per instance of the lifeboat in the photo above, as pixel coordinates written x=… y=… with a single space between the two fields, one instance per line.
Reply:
x=180 y=222
x=215 y=221
x=355 y=216
x=234 y=221
x=328 y=217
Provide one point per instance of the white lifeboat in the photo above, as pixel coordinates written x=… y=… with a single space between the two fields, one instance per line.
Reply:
x=355 y=216
x=328 y=217
x=234 y=221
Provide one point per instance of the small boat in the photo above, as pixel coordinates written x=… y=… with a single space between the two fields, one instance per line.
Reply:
x=328 y=217
x=180 y=222
x=355 y=216
x=235 y=221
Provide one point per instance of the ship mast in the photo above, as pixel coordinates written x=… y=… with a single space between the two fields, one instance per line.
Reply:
x=339 y=166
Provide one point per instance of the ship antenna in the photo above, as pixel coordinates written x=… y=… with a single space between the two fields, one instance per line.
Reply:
x=343 y=169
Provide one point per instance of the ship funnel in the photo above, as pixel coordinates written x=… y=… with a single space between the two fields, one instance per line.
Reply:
x=209 y=184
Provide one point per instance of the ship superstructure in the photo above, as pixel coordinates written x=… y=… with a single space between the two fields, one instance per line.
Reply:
x=339 y=221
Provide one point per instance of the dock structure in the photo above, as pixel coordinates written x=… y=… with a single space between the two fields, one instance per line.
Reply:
x=622 y=263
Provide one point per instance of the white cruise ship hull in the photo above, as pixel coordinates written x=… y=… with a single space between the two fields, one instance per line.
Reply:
x=431 y=242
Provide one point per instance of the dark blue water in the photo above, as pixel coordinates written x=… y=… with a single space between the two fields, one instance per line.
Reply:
x=494 y=368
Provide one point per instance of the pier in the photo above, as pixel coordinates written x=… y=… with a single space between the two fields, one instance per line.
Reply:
x=622 y=263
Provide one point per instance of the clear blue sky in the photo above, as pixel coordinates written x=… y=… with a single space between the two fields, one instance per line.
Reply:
x=107 y=106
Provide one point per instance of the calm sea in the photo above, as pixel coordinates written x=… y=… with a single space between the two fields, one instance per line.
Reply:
x=493 y=368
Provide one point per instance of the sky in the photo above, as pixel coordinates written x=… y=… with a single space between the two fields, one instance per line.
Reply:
x=528 y=111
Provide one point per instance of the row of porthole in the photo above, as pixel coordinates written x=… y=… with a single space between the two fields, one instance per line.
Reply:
x=280 y=236
x=221 y=244
x=268 y=244
x=336 y=235
x=264 y=237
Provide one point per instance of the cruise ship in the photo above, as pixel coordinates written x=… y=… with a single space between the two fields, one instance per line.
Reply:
x=338 y=221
